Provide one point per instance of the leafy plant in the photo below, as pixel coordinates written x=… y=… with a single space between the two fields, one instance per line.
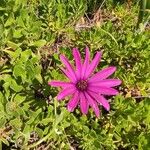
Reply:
x=144 y=13
x=32 y=36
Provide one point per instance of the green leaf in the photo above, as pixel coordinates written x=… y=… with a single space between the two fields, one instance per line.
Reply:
x=17 y=123
x=4 y=141
x=30 y=70
x=19 y=70
x=19 y=98
x=39 y=78
x=10 y=20
x=2 y=122
x=25 y=55
x=13 y=54
x=39 y=43
x=6 y=88
x=17 y=33
x=15 y=86
x=12 y=45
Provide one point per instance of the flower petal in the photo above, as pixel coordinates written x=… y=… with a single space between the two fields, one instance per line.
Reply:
x=93 y=64
x=59 y=83
x=86 y=62
x=68 y=66
x=100 y=99
x=67 y=74
x=66 y=92
x=106 y=83
x=93 y=104
x=84 y=106
x=103 y=90
x=103 y=74
x=78 y=61
x=73 y=102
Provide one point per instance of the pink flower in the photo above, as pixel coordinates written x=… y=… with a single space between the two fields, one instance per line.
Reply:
x=85 y=87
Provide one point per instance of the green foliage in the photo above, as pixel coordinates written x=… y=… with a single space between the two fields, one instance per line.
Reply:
x=144 y=13
x=32 y=35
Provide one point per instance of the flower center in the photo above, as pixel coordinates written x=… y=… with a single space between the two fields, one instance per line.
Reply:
x=82 y=85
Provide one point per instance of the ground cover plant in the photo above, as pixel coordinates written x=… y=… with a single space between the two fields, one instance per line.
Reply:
x=33 y=35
